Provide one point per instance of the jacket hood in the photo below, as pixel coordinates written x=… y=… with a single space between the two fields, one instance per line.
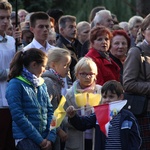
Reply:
x=48 y=74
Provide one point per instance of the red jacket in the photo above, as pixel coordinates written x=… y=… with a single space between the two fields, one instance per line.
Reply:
x=107 y=70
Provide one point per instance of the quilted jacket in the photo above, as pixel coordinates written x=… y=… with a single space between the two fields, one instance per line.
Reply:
x=31 y=110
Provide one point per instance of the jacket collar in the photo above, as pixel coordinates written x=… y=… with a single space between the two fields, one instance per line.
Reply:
x=26 y=81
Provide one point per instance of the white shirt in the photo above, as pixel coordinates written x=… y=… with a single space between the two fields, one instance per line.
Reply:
x=36 y=44
x=7 y=52
x=64 y=89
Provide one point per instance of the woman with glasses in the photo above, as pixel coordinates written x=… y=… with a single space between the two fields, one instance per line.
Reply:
x=137 y=81
x=85 y=72
x=100 y=38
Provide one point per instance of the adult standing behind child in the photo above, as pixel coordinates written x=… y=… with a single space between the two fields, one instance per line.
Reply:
x=67 y=39
x=123 y=130
x=29 y=102
x=58 y=67
x=83 y=35
x=136 y=81
x=39 y=26
x=7 y=52
x=100 y=38
x=85 y=72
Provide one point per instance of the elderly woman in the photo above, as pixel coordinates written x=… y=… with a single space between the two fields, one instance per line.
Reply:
x=134 y=80
x=100 y=38
x=120 y=44
x=134 y=26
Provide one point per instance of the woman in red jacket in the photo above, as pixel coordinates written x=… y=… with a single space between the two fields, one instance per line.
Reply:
x=100 y=38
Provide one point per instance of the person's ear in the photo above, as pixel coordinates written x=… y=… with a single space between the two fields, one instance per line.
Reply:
x=61 y=30
x=143 y=33
x=52 y=65
x=91 y=43
x=95 y=79
x=33 y=64
x=77 y=76
x=32 y=29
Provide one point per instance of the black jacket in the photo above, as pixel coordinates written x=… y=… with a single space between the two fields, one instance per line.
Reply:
x=130 y=137
x=74 y=48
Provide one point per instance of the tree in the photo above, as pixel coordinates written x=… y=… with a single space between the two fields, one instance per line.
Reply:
x=143 y=7
x=124 y=9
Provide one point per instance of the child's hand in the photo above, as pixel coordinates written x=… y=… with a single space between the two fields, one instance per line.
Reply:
x=63 y=135
x=70 y=111
x=48 y=145
x=43 y=143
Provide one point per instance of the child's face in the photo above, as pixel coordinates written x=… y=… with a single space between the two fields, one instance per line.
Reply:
x=110 y=97
x=62 y=66
x=38 y=69
x=86 y=77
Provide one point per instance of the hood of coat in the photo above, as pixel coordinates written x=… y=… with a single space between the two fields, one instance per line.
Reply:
x=49 y=74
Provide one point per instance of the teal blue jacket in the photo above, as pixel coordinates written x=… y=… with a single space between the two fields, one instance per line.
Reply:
x=31 y=110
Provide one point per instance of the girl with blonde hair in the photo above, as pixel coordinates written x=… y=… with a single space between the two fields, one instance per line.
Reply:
x=85 y=72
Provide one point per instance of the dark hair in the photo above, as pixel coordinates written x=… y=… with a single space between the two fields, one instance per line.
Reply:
x=36 y=16
x=113 y=17
x=24 y=59
x=13 y=15
x=55 y=13
x=113 y=86
x=98 y=31
x=94 y=11
x=122 y=33
x=67 y=18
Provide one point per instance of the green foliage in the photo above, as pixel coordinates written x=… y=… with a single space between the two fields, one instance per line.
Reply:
x=124 y=9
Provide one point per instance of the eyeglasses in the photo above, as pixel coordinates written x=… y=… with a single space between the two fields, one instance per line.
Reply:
x=84 y=74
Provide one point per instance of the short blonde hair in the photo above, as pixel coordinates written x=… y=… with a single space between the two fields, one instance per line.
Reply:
x=56 y=54
x=85 y=62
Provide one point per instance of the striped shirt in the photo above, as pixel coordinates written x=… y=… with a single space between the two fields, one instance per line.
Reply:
x=113 y=141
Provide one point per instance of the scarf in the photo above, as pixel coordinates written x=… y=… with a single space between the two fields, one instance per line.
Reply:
x=34 y=80
x=78 y=89
x=105 y=55
x=57 y=75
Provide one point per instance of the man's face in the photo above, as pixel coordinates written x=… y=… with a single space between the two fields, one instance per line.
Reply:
x=135 y=29
x=70 y=31
x=22 y=16
x=4 y=20
x=107 y=21
x=41 y=30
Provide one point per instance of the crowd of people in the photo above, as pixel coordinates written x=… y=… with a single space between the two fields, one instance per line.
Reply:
x=47 y=55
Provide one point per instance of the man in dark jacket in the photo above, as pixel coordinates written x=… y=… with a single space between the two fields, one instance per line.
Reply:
x=67 y=39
